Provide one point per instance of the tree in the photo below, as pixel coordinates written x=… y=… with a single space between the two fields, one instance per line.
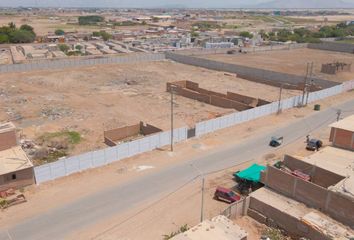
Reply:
x=12 y=25
x=105 y=35
x=4 y=38
x=88 y=20
x=21 y=36
x=246 y=34
x=64 y=48
x=59 y=32
x=78 y=47
x=27 y=28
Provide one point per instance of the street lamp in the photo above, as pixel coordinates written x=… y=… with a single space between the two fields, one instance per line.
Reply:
x=203 y=181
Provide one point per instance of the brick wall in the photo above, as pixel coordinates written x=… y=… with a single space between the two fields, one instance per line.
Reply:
x=24 y=178
x=342 y=138
x=8 y=140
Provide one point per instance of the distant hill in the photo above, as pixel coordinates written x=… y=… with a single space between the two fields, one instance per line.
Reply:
x=305 y=4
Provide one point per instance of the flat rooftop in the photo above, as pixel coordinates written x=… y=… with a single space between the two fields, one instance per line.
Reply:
x=345 y=124
x=13 y=159
x=218 y=228
x=298 y=210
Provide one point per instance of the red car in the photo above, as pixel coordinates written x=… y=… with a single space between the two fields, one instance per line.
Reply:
x=226 y=195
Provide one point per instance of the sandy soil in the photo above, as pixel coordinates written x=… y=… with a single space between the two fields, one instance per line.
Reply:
x=152 y=219
x=43 y=24
x=91 y=100
x=291 y=61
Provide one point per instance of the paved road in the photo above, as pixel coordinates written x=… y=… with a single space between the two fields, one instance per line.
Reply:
x=61 y=222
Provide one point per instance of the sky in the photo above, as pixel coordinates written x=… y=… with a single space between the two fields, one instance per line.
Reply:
x=138 y=3
x=128 y=3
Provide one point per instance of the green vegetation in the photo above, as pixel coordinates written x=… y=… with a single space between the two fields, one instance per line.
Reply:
x=182 y=229
x=350 y=41
x=12 y=34
x=129 y=23
x=303 y=35
x=194 y=34
x=72 y=137
x=275 y=234
x=246 y=34
x=64 y=48
x=78 y=47
x=206 y=25
x=56 y=145
x=59 y=32
x=90 y=20
x=105 y=35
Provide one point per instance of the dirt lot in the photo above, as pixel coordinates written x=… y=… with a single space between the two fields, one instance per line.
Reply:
x=43 y=24
x=91 y=100
x=291 y=61
x=153 y=219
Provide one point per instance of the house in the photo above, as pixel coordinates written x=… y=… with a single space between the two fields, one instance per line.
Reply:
x=218 y=228
x=16 y=169
x=342 y=133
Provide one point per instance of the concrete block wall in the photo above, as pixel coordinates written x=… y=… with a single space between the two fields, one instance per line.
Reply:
x=333 y=46
x=111 y=136
x=45 y=64
x=117 y=134
x=249 y=73
x=341 y=207
x=271 y=216
x=335 y=204
x=192 y=90
x=319 y=176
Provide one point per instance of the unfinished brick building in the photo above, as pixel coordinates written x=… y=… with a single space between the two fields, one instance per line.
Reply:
x=236 y=101
x=334 y=68
x=111 y=137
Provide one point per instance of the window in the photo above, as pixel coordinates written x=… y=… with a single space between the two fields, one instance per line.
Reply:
x=13 y=177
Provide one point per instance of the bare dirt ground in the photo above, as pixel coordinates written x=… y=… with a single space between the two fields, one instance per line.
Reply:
x=43 y=24
x=291 y=61
x=152 y=219
x=93 y=99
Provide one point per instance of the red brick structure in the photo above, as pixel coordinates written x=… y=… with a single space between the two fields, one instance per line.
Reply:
x=8 y=137
x=342 y=133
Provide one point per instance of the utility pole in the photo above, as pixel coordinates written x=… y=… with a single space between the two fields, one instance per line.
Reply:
x=339 y=112
x=202 y=204
x=203 y=190
x=171 y=90
x=279 y=102
x=305 y=84
x=309 y=85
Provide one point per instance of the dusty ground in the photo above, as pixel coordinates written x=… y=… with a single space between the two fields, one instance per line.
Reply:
x=291 y=61
x=153 y=219
x=91 y=100
x=43 y=25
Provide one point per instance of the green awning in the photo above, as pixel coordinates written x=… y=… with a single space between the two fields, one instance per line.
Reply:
x=253 y=173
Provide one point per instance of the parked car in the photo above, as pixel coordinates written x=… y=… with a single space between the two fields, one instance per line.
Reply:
x=314 y=144
x=276 y=141
x=226 y=195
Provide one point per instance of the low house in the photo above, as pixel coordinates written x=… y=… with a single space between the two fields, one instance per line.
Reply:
x=342 y=133
x=16 y=169
x=218 y=228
